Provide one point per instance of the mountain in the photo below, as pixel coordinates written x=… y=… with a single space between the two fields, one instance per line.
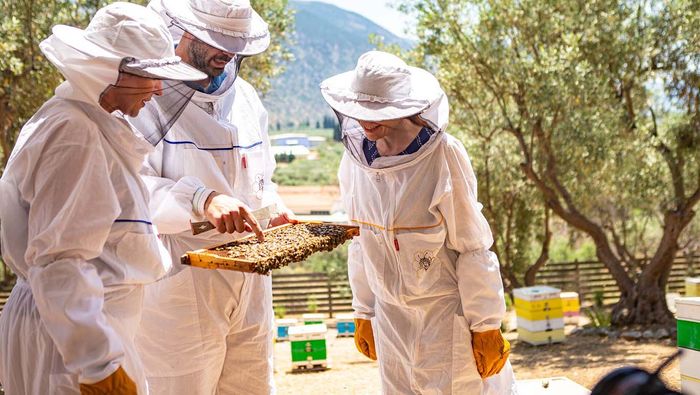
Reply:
x=328 y=41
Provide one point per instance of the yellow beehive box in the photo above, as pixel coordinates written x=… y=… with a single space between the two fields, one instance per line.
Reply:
x=570 y=302
x=539 y=315
x=538 y=305
x=542 y=337
x=692 y=286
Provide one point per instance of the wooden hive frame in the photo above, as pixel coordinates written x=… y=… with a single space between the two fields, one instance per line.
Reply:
x=209 y=258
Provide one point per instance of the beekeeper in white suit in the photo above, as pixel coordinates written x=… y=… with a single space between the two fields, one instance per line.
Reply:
x=75 y=225
x=427 y=292
x=210 y=331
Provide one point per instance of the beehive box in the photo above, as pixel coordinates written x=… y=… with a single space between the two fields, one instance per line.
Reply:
x=283 y=325
x=345 y=325
x=571 y=307
x=550 y=386
x=313 y=318
x=539 y=315
x=283 y=245
x=541 y=337
x=308 y=345
x=688 y=323
x=692 y=286
x=540 y=325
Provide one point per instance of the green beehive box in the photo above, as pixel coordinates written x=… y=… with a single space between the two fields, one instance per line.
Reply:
x=313 y=318
x=688 y=324
x=308 y=345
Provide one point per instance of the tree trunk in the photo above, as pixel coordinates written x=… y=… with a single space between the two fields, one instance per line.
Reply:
x=644 y=306
x=531 y=272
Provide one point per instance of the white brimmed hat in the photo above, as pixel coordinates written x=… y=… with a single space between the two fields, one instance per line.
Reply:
x=229 y=25
x=383 y=87
x=134 y=34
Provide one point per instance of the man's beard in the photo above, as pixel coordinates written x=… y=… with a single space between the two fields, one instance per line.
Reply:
x=198 y=57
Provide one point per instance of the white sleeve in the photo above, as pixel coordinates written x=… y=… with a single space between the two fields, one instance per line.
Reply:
x=72 y=207
x=363 y=298
x=468 y=233
x=172 y=203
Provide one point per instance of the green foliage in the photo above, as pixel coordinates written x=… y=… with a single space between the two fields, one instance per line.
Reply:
x=321 y=171
x=563 y=250
x=599 y=317
x=334 y=263
x=280 y=311
x=285 y=157
x=312 y=303
x=594 y=104
x=28 y=79
x=259 y=70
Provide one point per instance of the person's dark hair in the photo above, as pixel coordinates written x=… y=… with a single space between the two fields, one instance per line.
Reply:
x=419 y=121
x=634 y=381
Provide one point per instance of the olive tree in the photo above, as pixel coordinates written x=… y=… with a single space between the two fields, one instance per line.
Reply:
x=599 y=99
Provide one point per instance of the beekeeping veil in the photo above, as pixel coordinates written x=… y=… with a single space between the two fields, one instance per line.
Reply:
x=231 y=26
x=382 y=87
x=124 y=38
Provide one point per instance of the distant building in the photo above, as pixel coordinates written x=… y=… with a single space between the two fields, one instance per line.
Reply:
x=296 y=144
x=315 y=203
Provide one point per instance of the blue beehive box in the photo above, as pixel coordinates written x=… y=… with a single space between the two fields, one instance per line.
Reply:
x=345 y=325
x=283 y=325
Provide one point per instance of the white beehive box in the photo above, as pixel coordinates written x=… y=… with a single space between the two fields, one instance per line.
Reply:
x=550 y=386
x=688 y=322
x=540 y=325
x=282 y=326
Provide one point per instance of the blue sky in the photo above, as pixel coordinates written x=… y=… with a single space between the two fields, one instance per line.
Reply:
x=381 y=12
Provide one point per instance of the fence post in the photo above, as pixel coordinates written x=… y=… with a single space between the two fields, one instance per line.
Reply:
x=330 y=295
x=579 y=289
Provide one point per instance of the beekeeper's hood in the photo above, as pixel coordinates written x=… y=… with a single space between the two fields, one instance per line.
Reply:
x=121 y=37
x=383 y=87
x=229 y=25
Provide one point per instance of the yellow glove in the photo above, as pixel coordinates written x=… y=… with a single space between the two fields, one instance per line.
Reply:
x=364 y=338
x=118 y=383
x=491 y=352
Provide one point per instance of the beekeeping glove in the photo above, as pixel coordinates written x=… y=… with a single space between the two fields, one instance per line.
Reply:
x=491 y=352
x=364 y=338
x=118 y=383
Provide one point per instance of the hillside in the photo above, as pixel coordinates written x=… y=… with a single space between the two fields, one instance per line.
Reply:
x=328 y=41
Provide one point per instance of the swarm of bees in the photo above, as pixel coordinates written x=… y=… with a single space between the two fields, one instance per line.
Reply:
x=285 y=245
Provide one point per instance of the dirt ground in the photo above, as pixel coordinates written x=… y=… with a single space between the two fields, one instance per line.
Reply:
x=583 y=359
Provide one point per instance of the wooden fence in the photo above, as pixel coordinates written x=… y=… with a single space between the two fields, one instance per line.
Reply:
x=311 y=293
x=316 y=292
x=321 y=293
x=589 y=278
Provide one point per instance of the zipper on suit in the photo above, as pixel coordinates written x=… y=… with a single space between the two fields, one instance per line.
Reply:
x=391 y=185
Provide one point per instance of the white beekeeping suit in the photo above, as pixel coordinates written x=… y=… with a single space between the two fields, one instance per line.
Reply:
x=420 y=270
x=210 y=331
x=75 y=224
